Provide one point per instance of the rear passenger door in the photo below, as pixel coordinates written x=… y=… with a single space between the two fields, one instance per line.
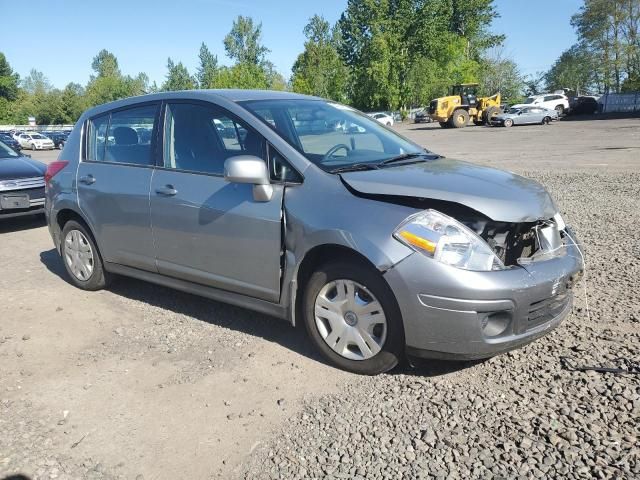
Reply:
x=205 y=229
x=113 y=182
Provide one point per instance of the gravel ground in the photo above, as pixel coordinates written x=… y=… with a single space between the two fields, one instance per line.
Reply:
x=143 y=382
x=519 y=415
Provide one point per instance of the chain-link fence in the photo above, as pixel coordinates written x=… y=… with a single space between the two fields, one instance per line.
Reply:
x=36 y=128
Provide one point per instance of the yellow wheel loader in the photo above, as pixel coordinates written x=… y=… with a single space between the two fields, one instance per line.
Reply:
x=463 y=105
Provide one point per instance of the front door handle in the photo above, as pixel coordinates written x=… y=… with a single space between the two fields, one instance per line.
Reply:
x=167 y=190
x=88 y=179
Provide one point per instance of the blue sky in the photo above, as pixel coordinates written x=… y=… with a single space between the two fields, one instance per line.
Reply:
x=61 y=40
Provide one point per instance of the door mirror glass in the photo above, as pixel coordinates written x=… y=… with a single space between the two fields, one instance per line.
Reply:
x=252 y=170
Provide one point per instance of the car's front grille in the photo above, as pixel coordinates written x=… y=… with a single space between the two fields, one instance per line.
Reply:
x=546 y=310
x=22 y=184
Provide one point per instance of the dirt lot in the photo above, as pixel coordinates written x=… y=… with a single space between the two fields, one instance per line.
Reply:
x=143 y=382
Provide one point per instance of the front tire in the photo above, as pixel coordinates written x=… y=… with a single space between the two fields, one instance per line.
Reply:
x=353 y=319
x=81 y=258
x=459 y=119
x=546 y=120
x=33 y=146
x=508 y=123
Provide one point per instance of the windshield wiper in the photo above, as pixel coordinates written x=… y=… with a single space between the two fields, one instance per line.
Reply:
x=406 y=156
x=354 y=168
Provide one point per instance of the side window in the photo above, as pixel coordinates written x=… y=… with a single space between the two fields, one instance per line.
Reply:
x=199 y=138
x=129 y=135
x=549 y=98
x=97 y=138
x=281 y=170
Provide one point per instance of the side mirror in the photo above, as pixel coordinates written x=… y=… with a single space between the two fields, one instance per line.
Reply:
x=250 y=169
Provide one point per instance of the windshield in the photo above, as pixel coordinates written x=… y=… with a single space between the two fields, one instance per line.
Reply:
x=331 y=135
x=530 y=100
x=37 y=136
x=6 y=152
x=513 y=110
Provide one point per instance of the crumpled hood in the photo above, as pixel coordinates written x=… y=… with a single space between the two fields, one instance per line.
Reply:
x=502 y=196
x=20 y=167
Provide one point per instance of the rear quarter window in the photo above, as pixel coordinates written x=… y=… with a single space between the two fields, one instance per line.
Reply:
x=123 y=136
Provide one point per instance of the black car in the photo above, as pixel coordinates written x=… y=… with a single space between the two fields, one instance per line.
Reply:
x=21 y=184
x=10 y=141
x=422 y=117
x=58 y=138
x=584 y=106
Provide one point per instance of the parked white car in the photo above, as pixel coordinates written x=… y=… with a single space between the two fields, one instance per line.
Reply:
x=383 y=118
x=553 y=101
x=35 y=141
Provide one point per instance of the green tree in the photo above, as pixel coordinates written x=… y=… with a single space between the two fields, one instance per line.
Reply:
x=178 y=77
x=105 y=64
x=469 y=20
x=208 y=69
x=575 y=69
x=251 y=69
x=319 y=70
x=108 y=83
x=243 y=42
x=36 y=83
x=242 y=76
x=389 y=44
x=73 y=102
x=608 y=30
x=500 y=74
x=9 y=81
x=534 y=84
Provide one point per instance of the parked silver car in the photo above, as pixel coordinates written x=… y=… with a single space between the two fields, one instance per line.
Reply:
x=525 y=116
x=378 y=246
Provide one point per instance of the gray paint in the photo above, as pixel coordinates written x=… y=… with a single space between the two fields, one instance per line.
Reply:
x=500 y=195
x=212 y=238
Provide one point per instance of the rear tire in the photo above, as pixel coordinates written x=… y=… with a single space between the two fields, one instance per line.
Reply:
x=81 y=257
x=384 y=345
x=490 y=113
x=459 y=119
x=560 y=110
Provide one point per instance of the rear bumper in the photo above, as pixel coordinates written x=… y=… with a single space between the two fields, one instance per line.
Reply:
x=456 y=314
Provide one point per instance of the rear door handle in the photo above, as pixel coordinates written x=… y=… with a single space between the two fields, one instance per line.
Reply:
x=167 y=190
x=88 y=179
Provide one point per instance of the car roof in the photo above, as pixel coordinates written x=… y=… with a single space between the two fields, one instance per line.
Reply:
x=233 y=95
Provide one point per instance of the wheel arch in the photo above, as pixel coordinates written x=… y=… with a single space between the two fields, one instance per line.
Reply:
x=312 y=260
x=66 y=214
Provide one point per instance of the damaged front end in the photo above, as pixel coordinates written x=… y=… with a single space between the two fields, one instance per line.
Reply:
x=523 y=243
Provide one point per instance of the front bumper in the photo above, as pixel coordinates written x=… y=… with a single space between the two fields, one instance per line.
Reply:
x=457 y=314
x=36 y=202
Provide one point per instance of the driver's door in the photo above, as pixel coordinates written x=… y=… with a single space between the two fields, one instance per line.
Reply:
x=205 y=229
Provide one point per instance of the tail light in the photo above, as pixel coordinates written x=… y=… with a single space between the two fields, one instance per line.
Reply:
x=52 y=169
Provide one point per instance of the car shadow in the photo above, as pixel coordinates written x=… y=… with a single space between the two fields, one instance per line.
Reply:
x=237 y=318
x=17 y=224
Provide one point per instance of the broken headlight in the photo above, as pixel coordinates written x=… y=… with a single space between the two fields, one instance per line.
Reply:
x=446 y=240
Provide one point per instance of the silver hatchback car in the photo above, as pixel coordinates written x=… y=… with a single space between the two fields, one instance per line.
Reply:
x=379 y=247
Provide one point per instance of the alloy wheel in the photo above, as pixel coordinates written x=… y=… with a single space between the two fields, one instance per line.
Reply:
x=350 y=319
x=78 y=255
